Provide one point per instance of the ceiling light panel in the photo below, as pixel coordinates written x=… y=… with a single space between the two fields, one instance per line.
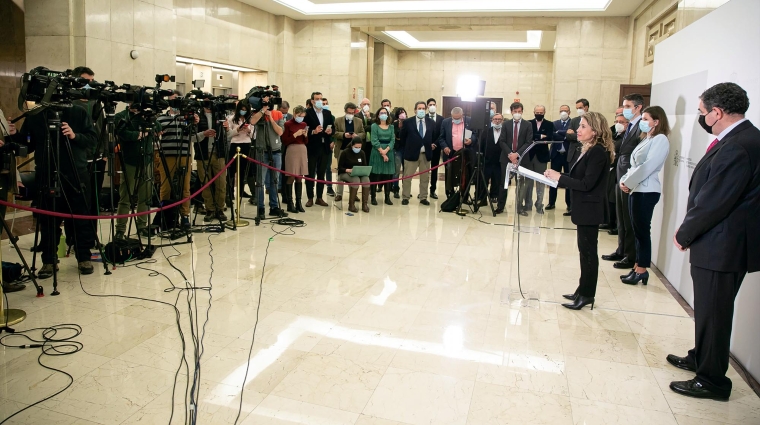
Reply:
x=181 y=59
x=307 y=7
x=533 y=42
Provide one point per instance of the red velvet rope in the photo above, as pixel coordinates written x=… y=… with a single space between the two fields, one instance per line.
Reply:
x=108 y=217
x=344 y=183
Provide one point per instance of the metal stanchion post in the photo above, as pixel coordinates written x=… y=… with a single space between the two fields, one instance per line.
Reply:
x=9 y=316
x=238 y=222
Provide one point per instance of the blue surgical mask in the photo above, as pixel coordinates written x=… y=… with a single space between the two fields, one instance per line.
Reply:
x=493 y=113
x=457 y=122
x=496 y=126
x=383 y=117
x=299 y=120
x=326 y=107
x=420 y=113
x=644 y=126
x=356 y=150
x=628 y=114
x=242 y=113
x=318 y=104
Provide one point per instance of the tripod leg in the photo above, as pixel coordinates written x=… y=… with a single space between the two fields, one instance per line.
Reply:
x=14 y=240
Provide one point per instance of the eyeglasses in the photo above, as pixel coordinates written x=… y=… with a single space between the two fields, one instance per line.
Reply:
x=498 y=120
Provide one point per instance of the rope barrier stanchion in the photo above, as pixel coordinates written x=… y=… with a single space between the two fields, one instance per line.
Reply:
x=238 y=222
x=108 y=217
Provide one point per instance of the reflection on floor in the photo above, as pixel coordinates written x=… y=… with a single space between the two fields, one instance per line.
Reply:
x=392 y=317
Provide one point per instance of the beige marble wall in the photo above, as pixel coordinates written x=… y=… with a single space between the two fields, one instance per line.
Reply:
x=591 y=60
x=425 y=74
x=688 y=11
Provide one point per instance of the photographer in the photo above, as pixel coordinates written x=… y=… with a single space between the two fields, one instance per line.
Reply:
x=97 y=160
x=135 y=134
x=77 y=139
x=269 y=127
x=209 y=160
x=239 y=136
x=176 y=147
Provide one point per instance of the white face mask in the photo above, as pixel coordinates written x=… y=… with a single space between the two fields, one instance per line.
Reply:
x=517 y=116
x=619 y=127
x=564 y=116
x=581 y=112
x=350 y=117
x=431 y=109
x=365 y=108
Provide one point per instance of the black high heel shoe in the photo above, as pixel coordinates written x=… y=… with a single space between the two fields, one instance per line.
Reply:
x=580 y=302
x=636 y=278
x=629 y=275
x=572 y=296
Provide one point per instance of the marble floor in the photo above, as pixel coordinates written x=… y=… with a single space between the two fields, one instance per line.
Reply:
x=401 y=316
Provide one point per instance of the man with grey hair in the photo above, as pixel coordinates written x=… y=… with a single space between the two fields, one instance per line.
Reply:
x=417 y=138
x=543 y=132
x=452 y=139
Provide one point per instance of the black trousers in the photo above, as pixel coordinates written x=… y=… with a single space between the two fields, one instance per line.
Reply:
x=588 y=239
x=559 y=163
x=613 y=215
x=318 y=162
x=641 y=208
x=714 y=295
x=71 y=201
x=434 y=174
x=494 y=180
x=626 y=238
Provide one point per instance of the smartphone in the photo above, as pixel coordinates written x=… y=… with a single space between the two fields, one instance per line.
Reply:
x=329 y=126
x=307 y=130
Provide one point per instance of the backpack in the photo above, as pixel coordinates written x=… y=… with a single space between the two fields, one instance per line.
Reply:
x=451 y=204
x=11 y=272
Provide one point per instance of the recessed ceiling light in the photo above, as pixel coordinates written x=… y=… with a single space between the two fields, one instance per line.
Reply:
x=181 y=59
x=308 y=7
x=533 y=42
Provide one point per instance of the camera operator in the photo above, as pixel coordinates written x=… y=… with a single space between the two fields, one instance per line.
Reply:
x=136 y=135
x=7 y=181
x=77 y=140
x=269 y=127
x=176 y=147
x=209 y=158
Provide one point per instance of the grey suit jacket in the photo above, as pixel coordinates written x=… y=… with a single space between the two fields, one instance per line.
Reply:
x=524 y=139
x=574 y=148
x=627 y=146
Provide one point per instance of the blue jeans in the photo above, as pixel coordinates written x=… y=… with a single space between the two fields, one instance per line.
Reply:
x=271 y=179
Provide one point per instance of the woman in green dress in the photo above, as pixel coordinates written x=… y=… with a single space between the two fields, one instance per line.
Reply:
x=382 y=159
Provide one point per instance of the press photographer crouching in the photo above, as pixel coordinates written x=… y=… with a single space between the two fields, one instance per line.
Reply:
x=136 y=132
x=268 y=149
x=68 y=189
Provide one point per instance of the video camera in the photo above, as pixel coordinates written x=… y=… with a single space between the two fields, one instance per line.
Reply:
x=256 y=95
x=51 y=88
x=197 y=99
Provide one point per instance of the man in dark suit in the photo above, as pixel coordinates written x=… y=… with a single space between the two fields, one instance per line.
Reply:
x=438 y=119
x=559 y=153
x=618 y=134
x=519 y=136
x=367 y=117
x=319 y=148
x=543 y=133
x=625 y=254
x=721 y=230
x=574 y=146
x=454 y=141
x=417 y=138
x=491 y=150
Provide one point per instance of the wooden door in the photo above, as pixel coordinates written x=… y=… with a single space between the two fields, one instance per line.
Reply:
x=451 y=102
x=645 y=90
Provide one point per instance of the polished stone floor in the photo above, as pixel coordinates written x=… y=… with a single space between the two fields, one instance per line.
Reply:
x=401 y=316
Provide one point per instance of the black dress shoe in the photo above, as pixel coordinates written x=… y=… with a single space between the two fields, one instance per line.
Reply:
x=629 y=275
x=681 y=362
x=550 y=207
x=636 y=278
x=404 y=202
x=580 y=302
x=692 y=388
x=567 y=214
x=13 y=287
x=433 y=195
x=613 y=232
x=570 y=297
x=424 y=202
x=625 y=263
x=605 y=226
x=499 y=210
x=523 y=213
x=613 y=257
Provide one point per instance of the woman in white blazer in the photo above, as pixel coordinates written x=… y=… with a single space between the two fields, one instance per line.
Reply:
x=642 y=182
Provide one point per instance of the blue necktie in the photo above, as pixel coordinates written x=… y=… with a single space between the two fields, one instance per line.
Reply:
x=421 y=130
x=630 y=125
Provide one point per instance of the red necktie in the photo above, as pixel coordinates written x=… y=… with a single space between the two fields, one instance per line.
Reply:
x=712 y=145
x=514 y=137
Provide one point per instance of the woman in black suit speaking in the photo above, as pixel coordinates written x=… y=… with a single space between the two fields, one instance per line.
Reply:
x=588 y=181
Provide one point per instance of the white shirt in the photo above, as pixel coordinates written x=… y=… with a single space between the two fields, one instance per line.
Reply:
x=725 y=132
x=319 y=116
x=496 y=134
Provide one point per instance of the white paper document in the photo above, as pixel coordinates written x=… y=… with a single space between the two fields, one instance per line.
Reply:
x=536 y=176
x=467 y=134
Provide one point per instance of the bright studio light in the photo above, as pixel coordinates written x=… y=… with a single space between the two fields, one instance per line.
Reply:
x=467 y=87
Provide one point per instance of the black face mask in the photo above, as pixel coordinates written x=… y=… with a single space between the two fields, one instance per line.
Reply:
x=539 y=117
x=703 y=123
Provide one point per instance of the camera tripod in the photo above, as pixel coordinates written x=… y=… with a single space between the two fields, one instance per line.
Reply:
x=479 y=177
